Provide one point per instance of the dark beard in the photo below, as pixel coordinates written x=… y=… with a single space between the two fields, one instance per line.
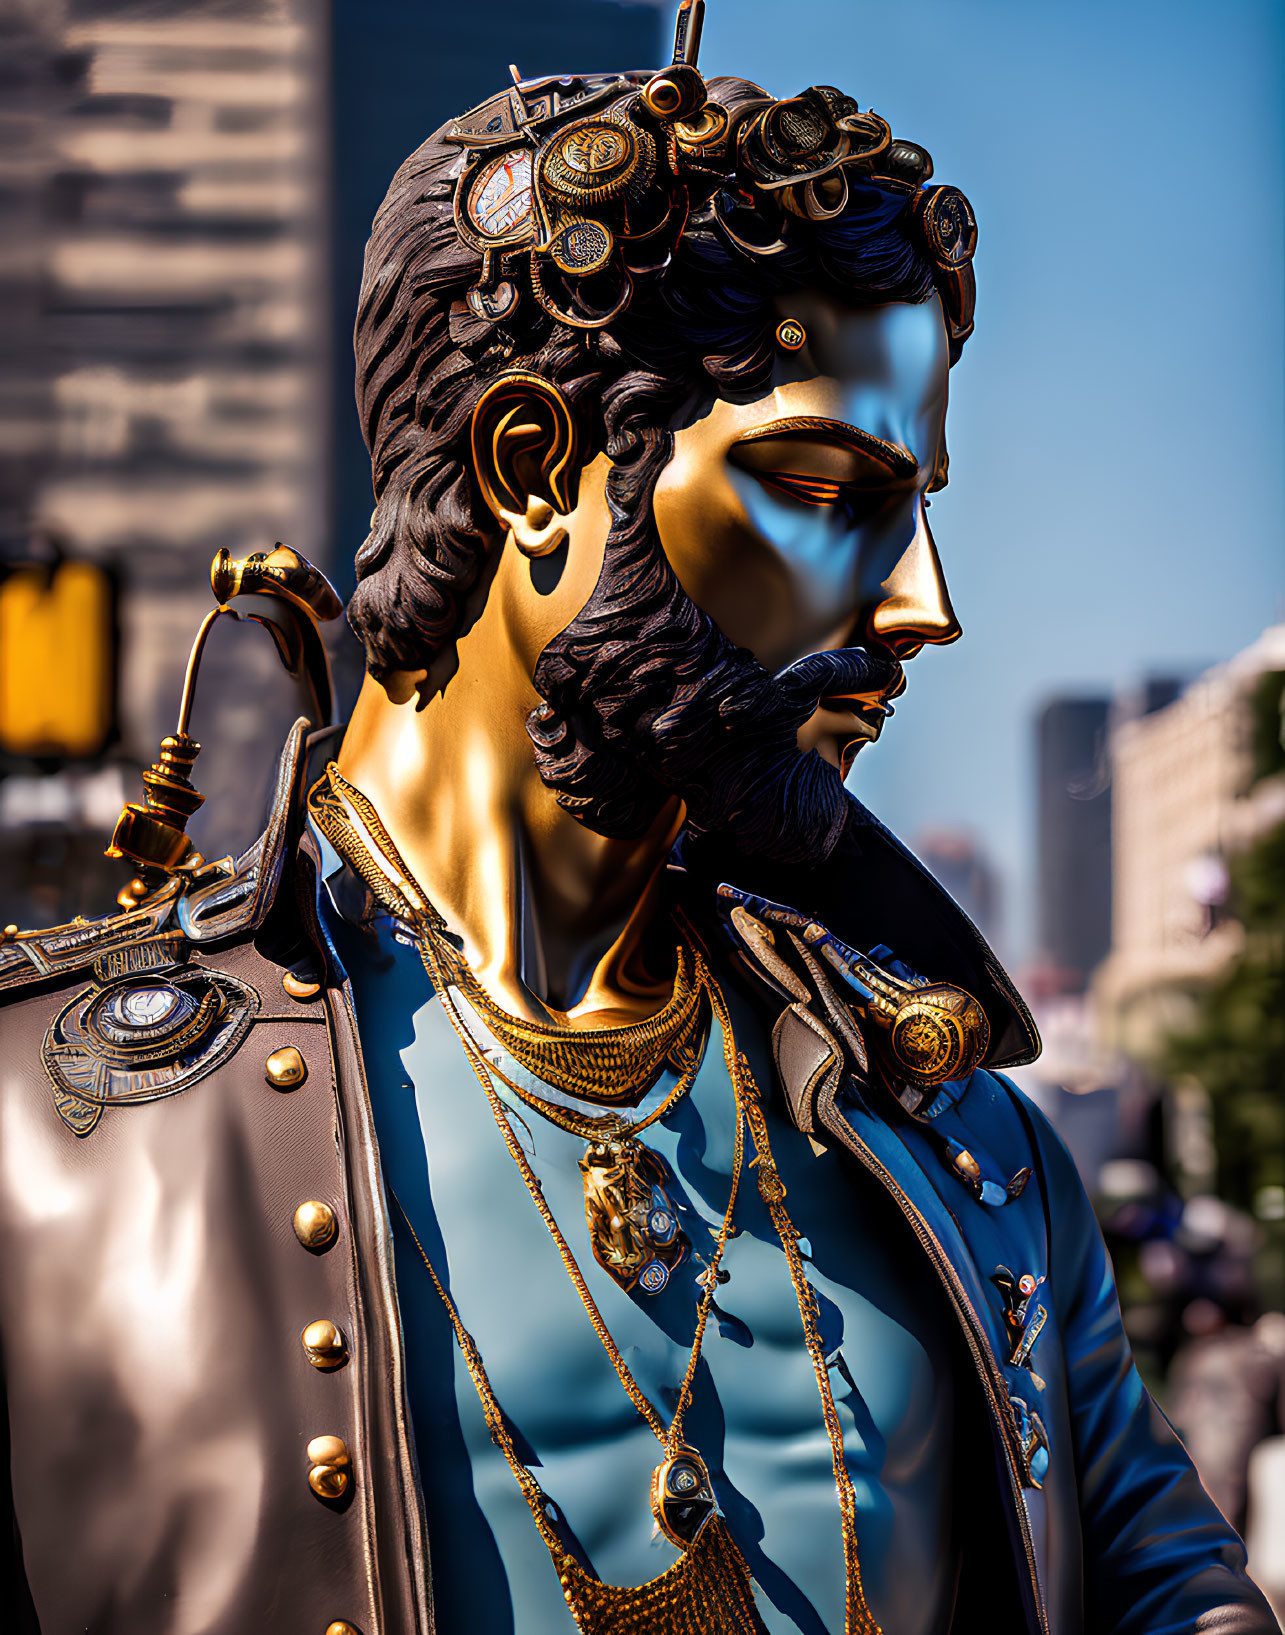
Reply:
x=645 y=698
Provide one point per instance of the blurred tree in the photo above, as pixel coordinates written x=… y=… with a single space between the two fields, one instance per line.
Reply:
x=1235 y=1046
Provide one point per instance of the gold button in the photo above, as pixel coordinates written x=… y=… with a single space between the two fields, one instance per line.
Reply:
x=315 y=1224
x=324 y=1344
x=328 y=1477
x=299 y=990
x=967 y=1165
x=341 y=1626
x=285 y=1069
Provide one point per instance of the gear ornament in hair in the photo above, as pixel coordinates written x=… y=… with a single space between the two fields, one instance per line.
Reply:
x=573 y=189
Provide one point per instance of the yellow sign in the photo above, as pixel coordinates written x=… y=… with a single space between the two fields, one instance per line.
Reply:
x=56 y=661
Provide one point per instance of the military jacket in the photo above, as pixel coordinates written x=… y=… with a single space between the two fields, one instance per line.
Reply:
x=202 y=1352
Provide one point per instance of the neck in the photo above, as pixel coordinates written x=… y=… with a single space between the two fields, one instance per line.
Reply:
x=552 y=916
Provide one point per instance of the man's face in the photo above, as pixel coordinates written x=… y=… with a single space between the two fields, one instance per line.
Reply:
x=797 y=521
x=670 y=645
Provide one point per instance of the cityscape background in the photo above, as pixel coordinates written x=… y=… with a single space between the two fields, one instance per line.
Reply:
x=1097 y=771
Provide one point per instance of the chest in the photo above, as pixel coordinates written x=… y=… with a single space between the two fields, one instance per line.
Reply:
x=755 y=1410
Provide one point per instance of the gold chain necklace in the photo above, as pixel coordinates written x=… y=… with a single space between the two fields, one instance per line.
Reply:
x=708 y=1590
x=633 y=1228
x=859 y=1619
x=611 y=1126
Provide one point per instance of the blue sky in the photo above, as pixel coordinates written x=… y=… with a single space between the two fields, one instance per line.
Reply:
x=1115 y=505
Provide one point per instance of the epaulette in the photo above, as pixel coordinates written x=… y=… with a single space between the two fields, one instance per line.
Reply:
x=226 y=899
x=866 y=1024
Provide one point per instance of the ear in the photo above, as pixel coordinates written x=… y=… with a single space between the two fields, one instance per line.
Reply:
x=525 y=447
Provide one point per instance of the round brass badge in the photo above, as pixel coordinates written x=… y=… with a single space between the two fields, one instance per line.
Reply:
x=594 y=160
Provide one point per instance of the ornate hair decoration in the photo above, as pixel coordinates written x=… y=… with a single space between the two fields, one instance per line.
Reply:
x=573 y=188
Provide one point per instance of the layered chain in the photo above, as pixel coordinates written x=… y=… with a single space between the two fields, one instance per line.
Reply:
x=604 y=1126
x=859 y=1619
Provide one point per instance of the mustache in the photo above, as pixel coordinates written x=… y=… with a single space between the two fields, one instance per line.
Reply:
x=644 y=698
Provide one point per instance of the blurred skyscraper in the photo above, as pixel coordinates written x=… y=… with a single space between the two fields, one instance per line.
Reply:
x=170 y=283
x=1074 y=839
x=178 y=302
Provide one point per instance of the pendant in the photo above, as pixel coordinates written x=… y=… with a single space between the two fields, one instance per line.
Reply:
x=682 y=1496
x=633 y=1229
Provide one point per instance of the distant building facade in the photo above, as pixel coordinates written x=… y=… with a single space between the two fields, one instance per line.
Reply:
x=1181 y=780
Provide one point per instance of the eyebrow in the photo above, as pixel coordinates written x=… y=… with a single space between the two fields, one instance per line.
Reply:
x=900 y=461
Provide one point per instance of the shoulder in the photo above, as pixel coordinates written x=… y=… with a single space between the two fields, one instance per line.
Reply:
x=1052 y=1152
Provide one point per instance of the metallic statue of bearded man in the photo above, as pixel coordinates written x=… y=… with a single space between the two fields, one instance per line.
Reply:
x=559 y=1178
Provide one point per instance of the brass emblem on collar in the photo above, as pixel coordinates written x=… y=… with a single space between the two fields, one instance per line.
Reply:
x=142 y=1036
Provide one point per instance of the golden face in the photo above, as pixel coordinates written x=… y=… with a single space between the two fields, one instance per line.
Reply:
x=798 y=521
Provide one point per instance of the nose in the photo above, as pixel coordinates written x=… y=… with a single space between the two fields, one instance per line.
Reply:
x=913 y=608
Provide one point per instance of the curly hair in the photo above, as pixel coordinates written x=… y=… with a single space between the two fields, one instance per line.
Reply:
x=699 y=328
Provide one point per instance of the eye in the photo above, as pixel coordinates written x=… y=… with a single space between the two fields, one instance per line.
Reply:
x=854 y=501
x=806 y=490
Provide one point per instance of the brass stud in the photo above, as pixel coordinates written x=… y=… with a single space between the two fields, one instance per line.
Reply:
x=328 y=1450
x=328 y=1456
x=299 y=990
x=324 y=1344
x=341 y=1626
x=327 y=1482
x=315 y=1224
x=285 y=1069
